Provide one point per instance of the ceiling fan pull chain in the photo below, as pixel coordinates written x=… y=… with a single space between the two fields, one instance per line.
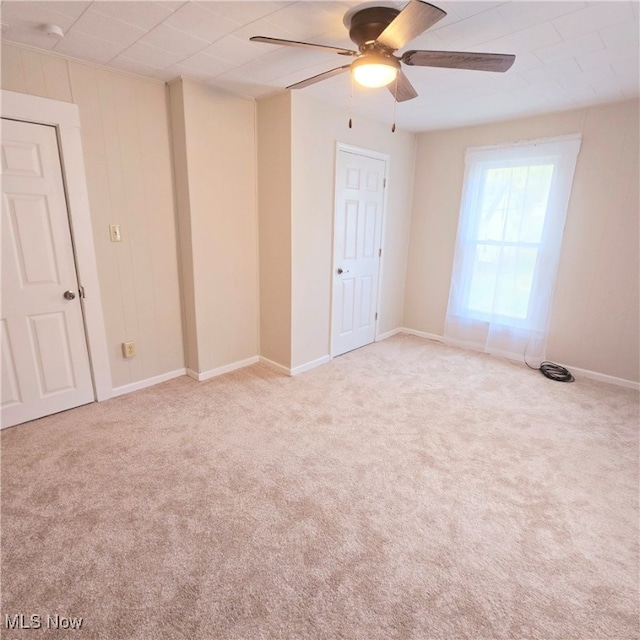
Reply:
x=395 y=102
x=351 y=102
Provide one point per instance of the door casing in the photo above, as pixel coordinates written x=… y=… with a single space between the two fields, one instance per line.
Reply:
x=65 y=117
x=340 y=146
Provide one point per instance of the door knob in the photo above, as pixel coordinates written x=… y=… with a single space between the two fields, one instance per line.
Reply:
x=69 y=295
x=341 y=270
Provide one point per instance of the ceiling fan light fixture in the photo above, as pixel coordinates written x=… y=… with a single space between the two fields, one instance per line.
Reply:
x=379 y=33
x=375 y=71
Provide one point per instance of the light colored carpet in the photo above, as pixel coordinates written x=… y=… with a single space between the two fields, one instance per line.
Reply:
x=404 y=490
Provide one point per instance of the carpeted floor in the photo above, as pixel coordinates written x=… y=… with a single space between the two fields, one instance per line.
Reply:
x=404 y=490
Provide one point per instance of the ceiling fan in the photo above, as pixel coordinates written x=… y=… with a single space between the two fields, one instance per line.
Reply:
x=379 y=32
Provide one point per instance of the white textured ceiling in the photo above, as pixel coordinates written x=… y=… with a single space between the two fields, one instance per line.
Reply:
x=568 y=54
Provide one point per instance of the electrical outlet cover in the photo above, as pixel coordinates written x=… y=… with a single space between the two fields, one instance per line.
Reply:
x=128 y=349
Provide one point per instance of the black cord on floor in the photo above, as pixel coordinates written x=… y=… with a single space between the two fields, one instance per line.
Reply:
x=553 y=371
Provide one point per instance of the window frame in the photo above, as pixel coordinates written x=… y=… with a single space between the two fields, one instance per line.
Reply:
x=562 y=152
x=483 y=168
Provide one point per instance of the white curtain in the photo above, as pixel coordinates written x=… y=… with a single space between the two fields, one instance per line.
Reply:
x=512 y=217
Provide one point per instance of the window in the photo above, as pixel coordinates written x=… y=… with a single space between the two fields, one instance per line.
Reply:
x=508 y=245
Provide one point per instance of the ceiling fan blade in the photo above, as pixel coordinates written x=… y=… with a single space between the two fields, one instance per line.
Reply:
x=308 y=45
x=321 y=76
x=460 y=60
x=402 y=89
x=415 y=18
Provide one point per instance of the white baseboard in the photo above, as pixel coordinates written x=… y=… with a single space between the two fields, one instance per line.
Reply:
x=280 y=368
x=295 y=370
x=411 y=332
x=388 y=334
x=227 y=368
x=149 y=382
x=576 y=371
x=603 y=377
x=206 y=375
x=309 y=365
x=422 y=334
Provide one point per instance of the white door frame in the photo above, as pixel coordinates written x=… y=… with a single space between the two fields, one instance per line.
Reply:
x=65 y=117
x=342 y=146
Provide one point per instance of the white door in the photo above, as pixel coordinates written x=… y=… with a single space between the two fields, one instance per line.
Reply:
x=360 y=183
x=45 y=362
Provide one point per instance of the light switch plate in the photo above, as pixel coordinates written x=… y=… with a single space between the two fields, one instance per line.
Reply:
x=114 y=232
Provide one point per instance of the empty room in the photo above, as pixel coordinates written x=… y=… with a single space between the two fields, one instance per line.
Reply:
x=320 y=320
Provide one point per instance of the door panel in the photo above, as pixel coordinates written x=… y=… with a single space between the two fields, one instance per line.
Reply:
x=45 y=362
x=357 y=235
x=369 y=236
x=10 y=392
x=366 y=296
x=21 y=159
x=348 y=297
x=30 y=231
x=50 y=343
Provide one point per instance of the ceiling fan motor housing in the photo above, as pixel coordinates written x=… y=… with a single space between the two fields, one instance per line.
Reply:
x=381 y=31
x=368 y=24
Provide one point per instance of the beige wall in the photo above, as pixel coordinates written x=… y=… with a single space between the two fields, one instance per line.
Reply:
x=274 y=203
x=297 y=139
x=227 y=282
x=183 y=213
x=316 y=128
x=126 y=145
x=214 y=146
x=595 y=324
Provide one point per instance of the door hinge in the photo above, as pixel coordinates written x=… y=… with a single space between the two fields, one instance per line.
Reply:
x=379 y=253
x=376 y=315
x=384 y=183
